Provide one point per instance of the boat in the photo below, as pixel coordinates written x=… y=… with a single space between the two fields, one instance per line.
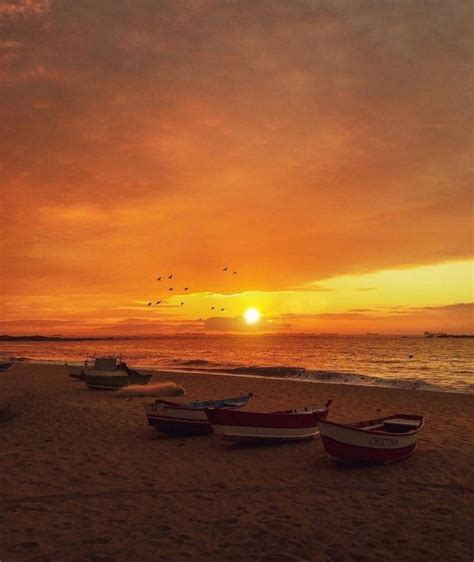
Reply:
x=287 y=425
x=387 y=439
x=104 y=363
x=113 y=380
x=5 y=365
x=188 y=418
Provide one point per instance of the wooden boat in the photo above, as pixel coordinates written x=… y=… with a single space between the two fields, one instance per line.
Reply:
x=388 y=439
x=288 y=425
x=189 y=418
x=113 y=380
x=104 y=363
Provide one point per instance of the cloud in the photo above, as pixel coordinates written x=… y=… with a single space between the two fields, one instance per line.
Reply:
x=326 y=316
x=459 y=308
x=311 y=287
x=300 y=140
x=23 y=9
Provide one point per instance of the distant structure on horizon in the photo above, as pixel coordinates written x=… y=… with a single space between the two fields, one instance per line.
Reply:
x=445 y=335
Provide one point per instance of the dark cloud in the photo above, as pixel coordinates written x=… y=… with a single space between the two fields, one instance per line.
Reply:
x=458 y=308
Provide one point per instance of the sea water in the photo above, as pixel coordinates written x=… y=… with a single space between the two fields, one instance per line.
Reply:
x=399 y=361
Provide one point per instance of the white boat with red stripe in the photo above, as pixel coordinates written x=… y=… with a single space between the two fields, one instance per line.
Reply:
x=288 y=425
x=387 y=439
x=188 y=418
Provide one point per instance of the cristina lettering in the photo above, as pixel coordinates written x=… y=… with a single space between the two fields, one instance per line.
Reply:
x=383 y=442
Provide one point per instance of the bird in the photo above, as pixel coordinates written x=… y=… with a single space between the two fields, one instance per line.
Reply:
x=158 y=302
x=225 y=268
x=170 y=276
x=213 y=307
x=222 y=309
x=170 y=289
x=234 y=273
x=200 y=320
x=158 y=279
x=182 y=303
x=186 y=288
x=149 y=304
x=410 y=356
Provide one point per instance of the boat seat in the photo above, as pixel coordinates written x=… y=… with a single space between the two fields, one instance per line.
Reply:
x=375 y=426
x=400 y=422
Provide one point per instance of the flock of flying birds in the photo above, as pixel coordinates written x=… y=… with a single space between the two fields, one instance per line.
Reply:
x=170 y=278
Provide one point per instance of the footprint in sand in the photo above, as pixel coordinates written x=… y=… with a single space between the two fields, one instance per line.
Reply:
x=443 y=510
x=98 y=540
x=279 y=558
x=28 y=545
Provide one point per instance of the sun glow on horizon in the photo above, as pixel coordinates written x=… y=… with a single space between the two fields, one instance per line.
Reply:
x=252 y=316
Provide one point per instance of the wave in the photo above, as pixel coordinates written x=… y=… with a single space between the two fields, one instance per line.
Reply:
x=369 y=380
x=193 y=362
x=333 y=377
x=280 y=371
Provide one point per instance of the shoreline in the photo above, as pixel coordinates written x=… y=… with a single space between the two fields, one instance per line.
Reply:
x=397 y=384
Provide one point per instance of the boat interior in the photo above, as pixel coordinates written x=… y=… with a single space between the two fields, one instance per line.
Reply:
x=394 y=424
x=213 y=404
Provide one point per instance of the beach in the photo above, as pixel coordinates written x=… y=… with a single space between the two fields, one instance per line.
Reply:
x=83 y=477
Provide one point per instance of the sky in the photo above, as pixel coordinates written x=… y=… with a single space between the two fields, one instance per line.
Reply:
x=323 y=150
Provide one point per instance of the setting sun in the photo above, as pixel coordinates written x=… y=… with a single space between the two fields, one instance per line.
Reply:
x=252 y=316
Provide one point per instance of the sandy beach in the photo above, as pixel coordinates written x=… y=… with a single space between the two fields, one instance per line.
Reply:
x=83 y=477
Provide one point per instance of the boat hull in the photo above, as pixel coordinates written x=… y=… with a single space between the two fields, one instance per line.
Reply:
x=75 y=372
x=352 y=444
x=5 y=365
x=175 y=421
x=248 y=427
x=113 y=381
x=181 y=419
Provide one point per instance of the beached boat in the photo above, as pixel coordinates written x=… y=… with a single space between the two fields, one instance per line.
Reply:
x=113 y=380
x=104 y=363
x=388 y=439
x=288 y=425
x=188 y=418
x=4 y=365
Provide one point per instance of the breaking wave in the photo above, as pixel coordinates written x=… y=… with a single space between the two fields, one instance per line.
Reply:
x=332 y=377
x=193 y=362
x=368 y=380
x=279 y=371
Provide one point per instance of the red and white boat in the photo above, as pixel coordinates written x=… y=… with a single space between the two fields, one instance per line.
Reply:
x=288 y=425
x=189 y=418
x=388 y=439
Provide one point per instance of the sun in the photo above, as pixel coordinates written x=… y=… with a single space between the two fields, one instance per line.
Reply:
x=252 y=316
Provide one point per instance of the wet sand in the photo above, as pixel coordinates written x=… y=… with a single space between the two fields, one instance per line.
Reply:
x=83 y=477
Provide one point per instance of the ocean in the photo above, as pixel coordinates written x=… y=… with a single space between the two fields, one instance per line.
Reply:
x=445 y=364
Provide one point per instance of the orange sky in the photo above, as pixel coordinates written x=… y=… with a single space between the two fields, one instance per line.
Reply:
x=322 y=149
